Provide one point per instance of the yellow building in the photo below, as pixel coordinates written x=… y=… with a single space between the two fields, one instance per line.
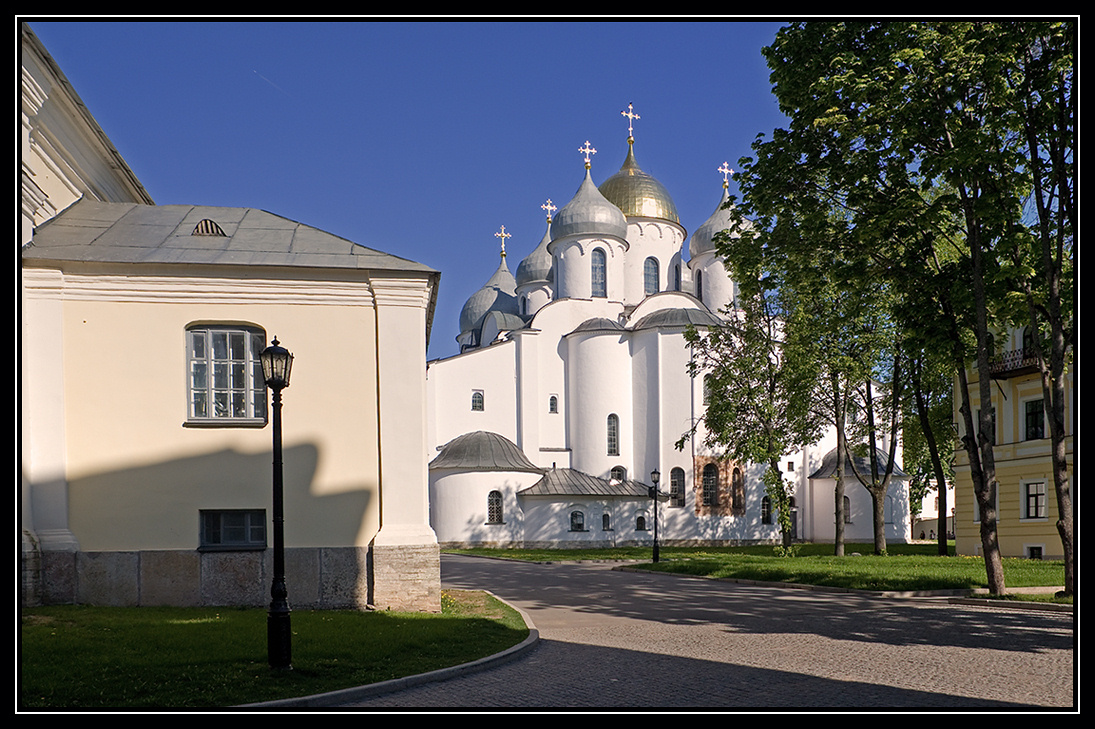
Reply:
x=1025 y=497
x=145 y=435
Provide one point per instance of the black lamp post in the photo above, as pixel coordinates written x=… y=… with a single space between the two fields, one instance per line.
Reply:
x=655 y=475
x=276 y=364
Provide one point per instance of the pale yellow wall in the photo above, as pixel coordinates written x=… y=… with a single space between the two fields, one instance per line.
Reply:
x=1017 y=462
x=137 y=473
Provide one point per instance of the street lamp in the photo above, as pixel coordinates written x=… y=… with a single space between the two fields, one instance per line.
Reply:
x=276 y=364
x=655 y=475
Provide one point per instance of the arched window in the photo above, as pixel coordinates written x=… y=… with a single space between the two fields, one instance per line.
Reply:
x=598 y=274
x=618 y=473
x=737 y=492
x=847 y=510
x=577 y=521
x=676 y=487
x=699 y=285
x=524 y=306
x=477 y=400
x=494 y=507
x=677 y=277
x=710 y=485
x=553 y=404
x=613 y=435
x=766 y=510
x=640 y=523
x=606 y=522
x=651 y=284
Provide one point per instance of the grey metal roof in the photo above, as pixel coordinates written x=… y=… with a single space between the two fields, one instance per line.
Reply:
x=862 y=464
x=678 y=318
x=571 y=482
x=598 y=324
x=589 y=213
x=483 y=451
x=98 y=232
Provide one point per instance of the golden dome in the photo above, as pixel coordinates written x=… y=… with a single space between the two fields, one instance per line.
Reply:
x=637 y=193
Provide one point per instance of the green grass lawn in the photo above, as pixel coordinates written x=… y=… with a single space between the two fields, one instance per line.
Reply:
x=147 y=657
x=904 y=567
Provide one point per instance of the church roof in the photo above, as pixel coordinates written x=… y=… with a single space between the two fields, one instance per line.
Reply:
x=589 y=213
x=499 y=293
x=483 y=451
x=100 y=232
x=678 y=318
x=862 y=464
x=537 y=265
x=638 y=194
x=598 y=324
x=702 y=241
x=571 y=482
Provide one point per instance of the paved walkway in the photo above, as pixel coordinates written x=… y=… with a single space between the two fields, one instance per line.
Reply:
x=634 y=640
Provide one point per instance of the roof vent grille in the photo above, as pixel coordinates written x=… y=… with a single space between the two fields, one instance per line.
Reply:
x=207 y=227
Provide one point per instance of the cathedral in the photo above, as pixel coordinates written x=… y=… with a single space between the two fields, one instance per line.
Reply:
x=556 y=424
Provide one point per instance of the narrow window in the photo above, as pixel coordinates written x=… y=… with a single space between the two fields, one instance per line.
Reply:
x=640 y=523
x=494 y=507
x=599 y=276
x=651 y=284
x=677 y=277
x=737 y=495
x=847 y=510
x=477 y=400
x=606 y=522
x=710 y=485
x=224 y=374
x=699 y=286
x=676 y=487
x=766 y=510
x=553 y=404
x=613 y=428
x=1035 y=420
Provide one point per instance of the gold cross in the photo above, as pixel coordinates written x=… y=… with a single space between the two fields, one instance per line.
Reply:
x=549 y=207
x=587 y=150
x=503 y=235
x=726 y=172
x=631 y=117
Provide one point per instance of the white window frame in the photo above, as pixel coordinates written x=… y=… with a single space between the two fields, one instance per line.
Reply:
x=225 y=387
x=1025 y=494
x=478 y=401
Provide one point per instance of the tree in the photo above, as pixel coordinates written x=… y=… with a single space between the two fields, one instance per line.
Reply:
x=754 y=407
x=914 y=131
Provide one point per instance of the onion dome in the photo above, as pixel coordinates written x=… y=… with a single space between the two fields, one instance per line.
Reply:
x=537 y=265
x=589 y=212
x=638 y=194
x=499 y=293
x=703 y=240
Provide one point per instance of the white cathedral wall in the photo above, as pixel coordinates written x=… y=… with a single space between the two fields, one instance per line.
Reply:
x=451 y=383
x=458 y=506
x=599 y=384
x=718 y=288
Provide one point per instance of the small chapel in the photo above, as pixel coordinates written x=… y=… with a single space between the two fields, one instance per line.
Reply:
x=556 y=424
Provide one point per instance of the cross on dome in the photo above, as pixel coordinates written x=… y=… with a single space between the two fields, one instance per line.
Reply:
x=631 y=117
x=726 y=172
x=587 y=150
x=503 y=235
x=550 y=208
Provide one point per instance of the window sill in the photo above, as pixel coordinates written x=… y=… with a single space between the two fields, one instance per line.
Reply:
x=226 y=423
x=232 y=548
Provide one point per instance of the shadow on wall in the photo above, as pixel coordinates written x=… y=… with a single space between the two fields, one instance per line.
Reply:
x=139 y=531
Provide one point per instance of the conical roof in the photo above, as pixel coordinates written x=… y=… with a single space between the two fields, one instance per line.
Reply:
x=589 y=213
x=499 y=293
x=638 y=194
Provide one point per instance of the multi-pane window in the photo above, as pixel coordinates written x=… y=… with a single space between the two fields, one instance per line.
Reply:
x=494 y=507
x=225 y=375
x=613 y=428
x=553 y=404
x=618 y=473
x=1034 y=497
x=1035 y=420
x=599 y=283
x=577 y=521
x=710 y=484
x=766 y=510
x=233 y=529
x=676 y=487
x=477 y=400
x=651 y=284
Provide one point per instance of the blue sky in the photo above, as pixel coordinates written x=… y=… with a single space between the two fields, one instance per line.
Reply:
x=420 y=139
